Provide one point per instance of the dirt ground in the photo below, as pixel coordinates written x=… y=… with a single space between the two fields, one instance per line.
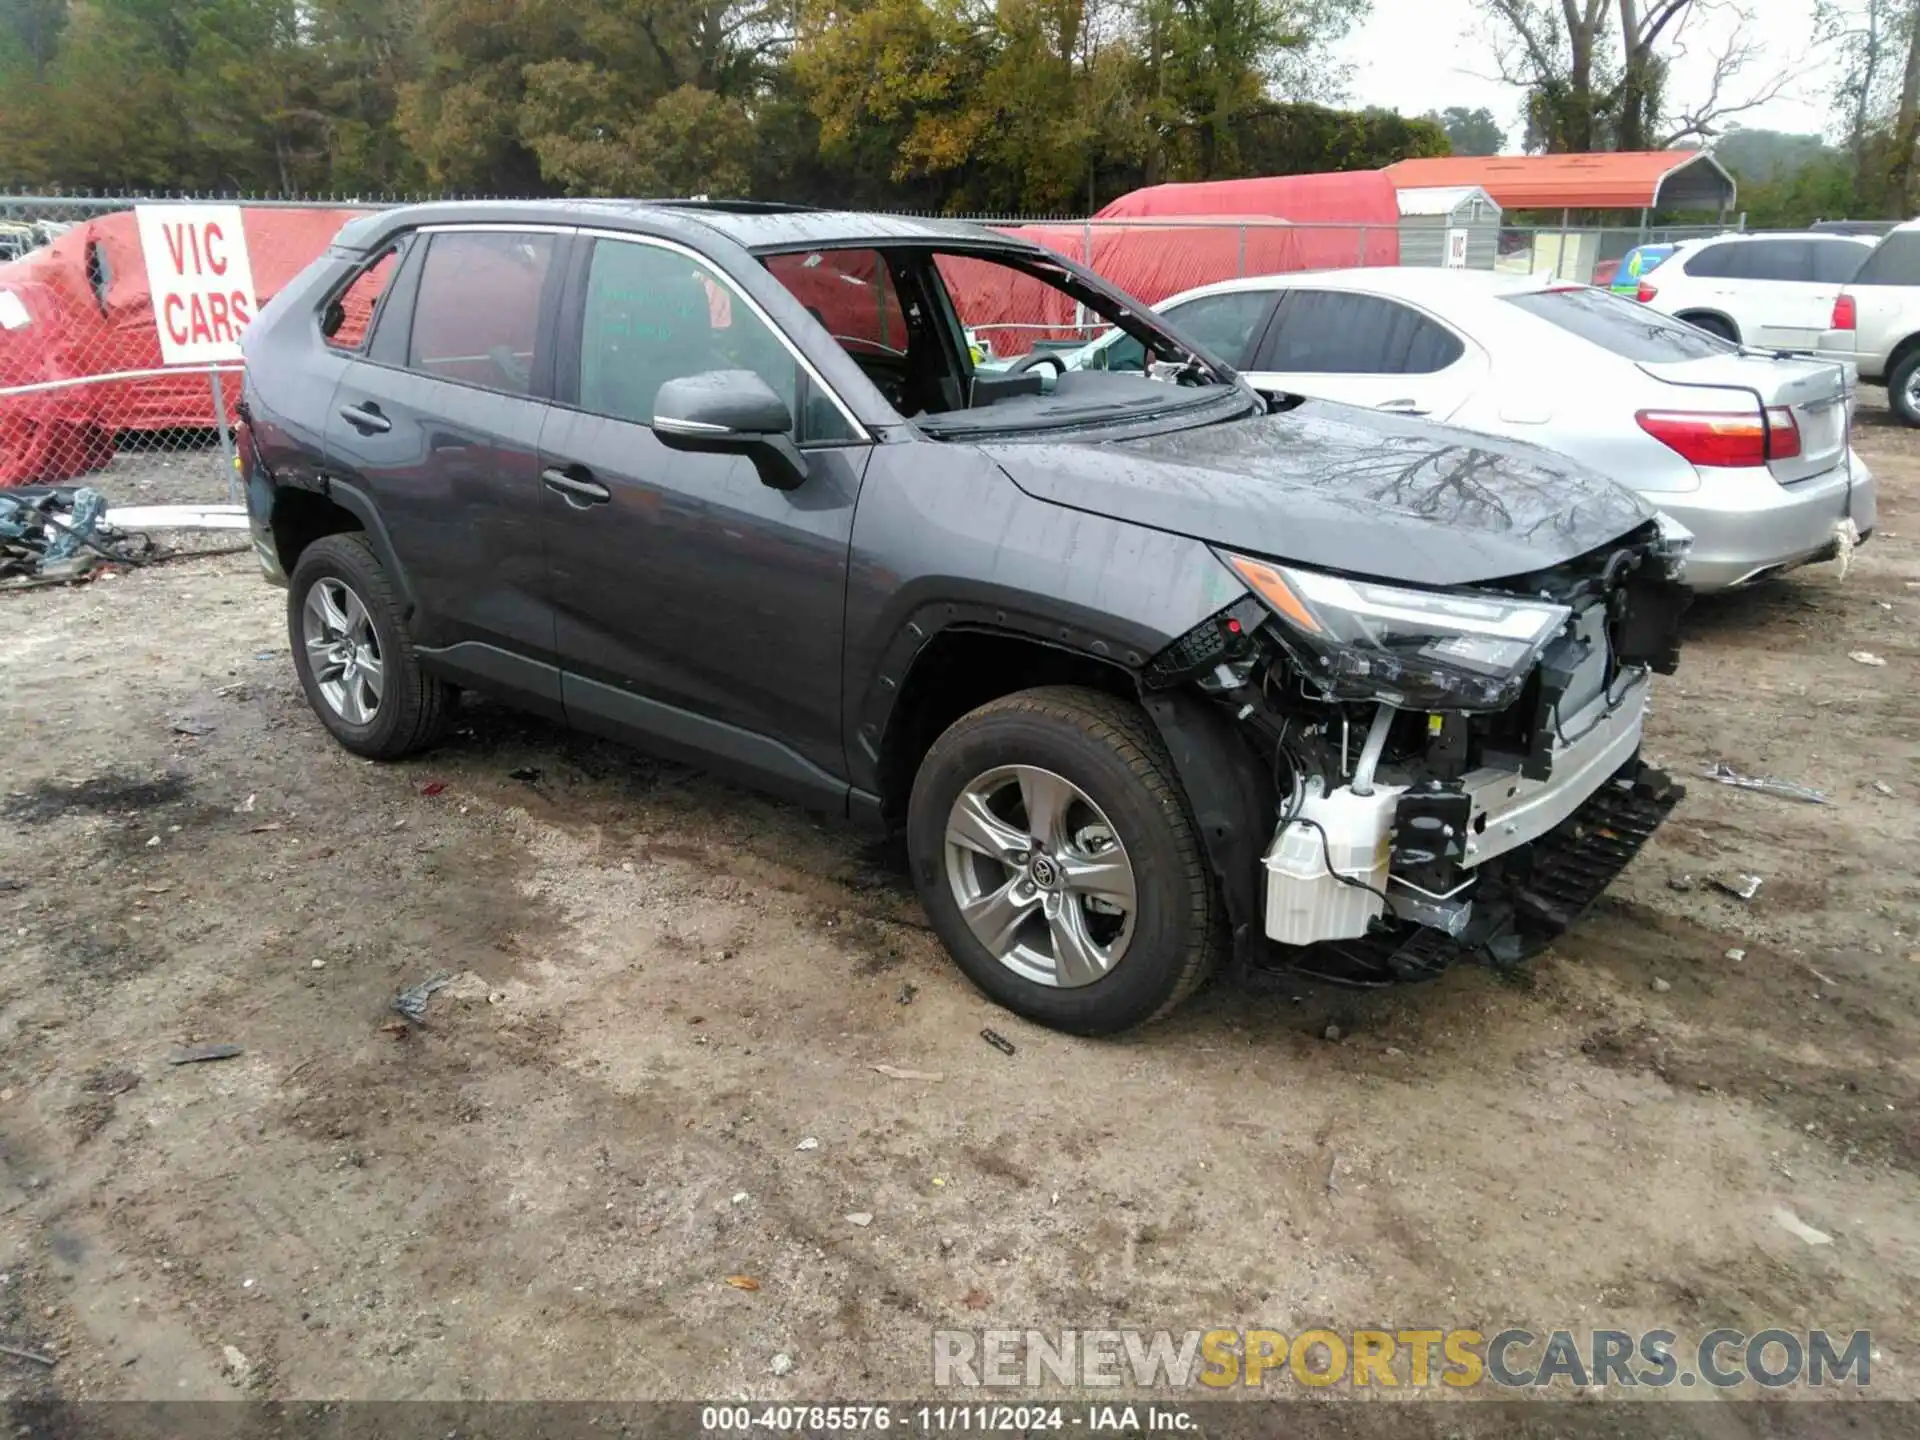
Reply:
x=663 y=985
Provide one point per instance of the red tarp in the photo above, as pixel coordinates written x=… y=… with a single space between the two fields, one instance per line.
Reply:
x=1339 y=221
x=72 y=331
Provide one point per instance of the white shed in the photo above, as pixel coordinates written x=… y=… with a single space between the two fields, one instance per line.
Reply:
x=1449 y=225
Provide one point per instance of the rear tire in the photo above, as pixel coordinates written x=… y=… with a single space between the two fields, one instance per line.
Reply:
x=1903 y=389
x=1714 y=325
x=353 y=654
x=1119 y=805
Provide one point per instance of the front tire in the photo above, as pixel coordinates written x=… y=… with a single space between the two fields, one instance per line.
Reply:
x=353 y=654
x=1052 y=848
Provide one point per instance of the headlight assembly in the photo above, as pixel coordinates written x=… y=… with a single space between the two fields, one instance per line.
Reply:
x=1417 y=649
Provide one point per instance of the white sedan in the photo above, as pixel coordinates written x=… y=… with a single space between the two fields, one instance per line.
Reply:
x=1748 y=451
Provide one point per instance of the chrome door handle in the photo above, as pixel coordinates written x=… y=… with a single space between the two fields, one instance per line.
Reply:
x=575 y=491
x=366 y=418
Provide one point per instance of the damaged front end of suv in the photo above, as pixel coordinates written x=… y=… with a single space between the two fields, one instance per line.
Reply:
x=1451 y=772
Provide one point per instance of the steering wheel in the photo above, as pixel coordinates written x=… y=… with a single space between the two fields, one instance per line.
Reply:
x=1038 y=357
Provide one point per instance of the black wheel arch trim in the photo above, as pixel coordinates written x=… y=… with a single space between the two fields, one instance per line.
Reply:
x=359 y=505
x=1692 y=313
x=1016 y=617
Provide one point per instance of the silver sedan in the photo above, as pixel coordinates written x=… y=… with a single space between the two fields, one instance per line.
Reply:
x=1747 y=449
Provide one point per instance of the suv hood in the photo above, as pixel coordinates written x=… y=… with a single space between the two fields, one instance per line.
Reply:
x=1343 y=488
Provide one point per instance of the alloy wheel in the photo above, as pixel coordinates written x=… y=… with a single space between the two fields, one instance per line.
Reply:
x=1040 y=876
x=343 y=651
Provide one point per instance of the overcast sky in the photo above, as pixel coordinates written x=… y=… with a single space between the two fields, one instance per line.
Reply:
x=1420 y=55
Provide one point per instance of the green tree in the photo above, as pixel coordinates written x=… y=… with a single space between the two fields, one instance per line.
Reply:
x=30 y=35
x=1470 y=132
x=1759 y=157
x=591 y=141
x=368 y=50
x=109 y=113
x=248 y=92
x=892 y=82
x=1209 y=62
x=460 y=113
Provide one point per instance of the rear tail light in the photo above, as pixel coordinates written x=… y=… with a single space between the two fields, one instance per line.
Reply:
x=1783 y=434
x=1845 y=316
x=1645 y=293
x=1725 y=441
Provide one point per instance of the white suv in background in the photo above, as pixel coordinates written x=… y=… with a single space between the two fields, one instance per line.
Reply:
x=1774 y=292
x=1875 y=321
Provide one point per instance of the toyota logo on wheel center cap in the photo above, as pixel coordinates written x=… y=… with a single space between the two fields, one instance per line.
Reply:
x=1044 y=872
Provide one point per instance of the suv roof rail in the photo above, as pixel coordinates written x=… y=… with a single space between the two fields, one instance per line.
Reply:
x=738 y=207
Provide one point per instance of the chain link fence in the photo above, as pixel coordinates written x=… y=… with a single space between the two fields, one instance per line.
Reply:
x=83 y=391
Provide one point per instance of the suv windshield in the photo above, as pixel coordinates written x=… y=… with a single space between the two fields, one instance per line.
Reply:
x=920 y=322
x=1629 y=330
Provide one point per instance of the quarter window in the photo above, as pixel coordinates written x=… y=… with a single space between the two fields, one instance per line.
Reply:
x=1835 y=262
x=350 y=316
x=477 y=317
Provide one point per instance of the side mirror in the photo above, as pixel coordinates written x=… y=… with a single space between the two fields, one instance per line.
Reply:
x=731 y=412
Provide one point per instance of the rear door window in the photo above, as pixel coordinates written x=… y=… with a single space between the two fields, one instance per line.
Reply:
x=1627 y=329
x=1775 y=260
x=476 y=319
x=1325 y=332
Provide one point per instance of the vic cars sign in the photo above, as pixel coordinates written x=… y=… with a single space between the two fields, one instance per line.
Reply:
x=200 y=278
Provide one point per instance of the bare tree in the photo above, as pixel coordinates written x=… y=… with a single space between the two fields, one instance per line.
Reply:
x=1721 y=101
x=1558 y=52
x=1867 y=34
x=1643 y=72
x=1906 y=125
x=1596 y=71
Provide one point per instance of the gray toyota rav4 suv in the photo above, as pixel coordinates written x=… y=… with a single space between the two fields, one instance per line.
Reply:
x=1152 y=670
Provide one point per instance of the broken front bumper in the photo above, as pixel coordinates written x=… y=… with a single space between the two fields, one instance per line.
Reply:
x=1510 y=810
x=1486 y=864
x=1523 y=908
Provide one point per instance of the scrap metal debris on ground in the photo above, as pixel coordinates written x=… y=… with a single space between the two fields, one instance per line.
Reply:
x=50 y=535
x=1721 y=771
x=178 y=517
x=199 y=1054
x=59 y=534
x=899 y=1072
x=412 y=1002
x=34 y=1355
